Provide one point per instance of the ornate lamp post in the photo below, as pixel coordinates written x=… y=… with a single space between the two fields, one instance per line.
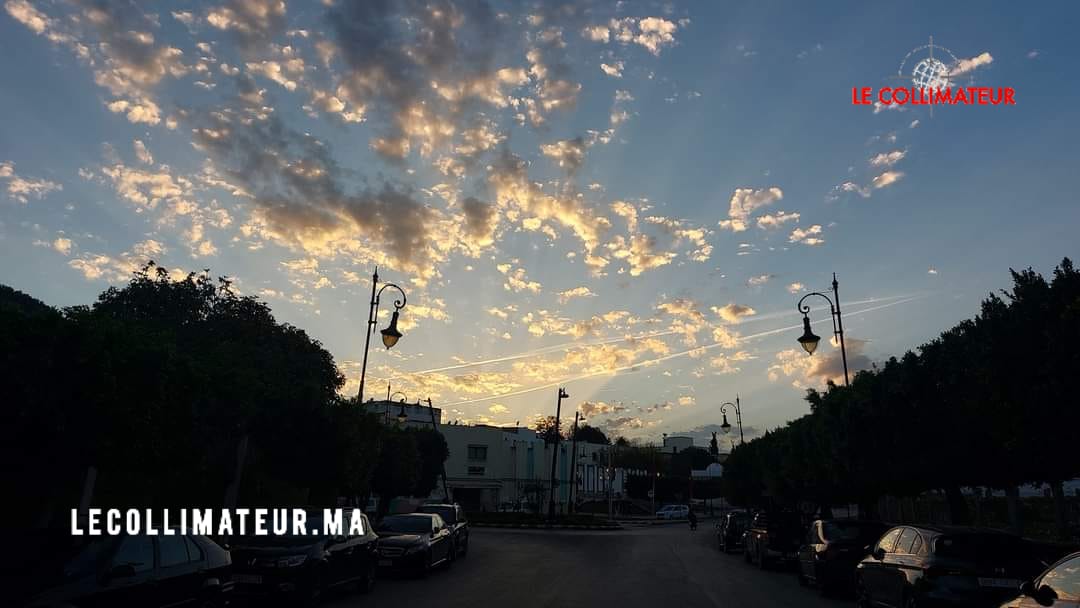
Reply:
x=390 y=335
x=726 y=426
x=555 y=453
x=809 y=340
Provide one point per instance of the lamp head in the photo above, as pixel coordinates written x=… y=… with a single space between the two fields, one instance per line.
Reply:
x=726 y=426
x=391 y=335
x=808 y=340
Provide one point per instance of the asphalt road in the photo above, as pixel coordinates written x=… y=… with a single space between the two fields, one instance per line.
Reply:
x=650 y=566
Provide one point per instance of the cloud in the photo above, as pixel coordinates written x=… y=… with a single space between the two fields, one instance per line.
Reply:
x=807 y=236
x=22 y=189
x=142 y=153
x=795 y=287
x=759 y=280
x=1032 y=54
x=733 y=313
x=516 y=281
x=771 y=221
x=887 y=159
x=567 y=153
x=964 y=66
x=62 y=245
x=887 y=178
x=576 y=292
x=744 y=201
x=932 y=270
x=498 y=408
x=614 y=69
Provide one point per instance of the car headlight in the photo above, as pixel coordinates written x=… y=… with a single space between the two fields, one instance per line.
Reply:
x=290 y=561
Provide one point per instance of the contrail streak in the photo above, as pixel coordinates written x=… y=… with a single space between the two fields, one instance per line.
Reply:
x=652 y=362
x=574 y=345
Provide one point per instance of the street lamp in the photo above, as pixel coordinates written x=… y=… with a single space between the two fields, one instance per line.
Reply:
x=726 y=426
x=555 y=452
x=390 y=335
x=402 y=417
x=809 y=340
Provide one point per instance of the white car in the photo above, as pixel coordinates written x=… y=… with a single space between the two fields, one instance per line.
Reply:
x=673 y=512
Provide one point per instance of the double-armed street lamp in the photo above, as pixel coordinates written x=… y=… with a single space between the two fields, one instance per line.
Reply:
x=726 y=426
x=390 y=335
x=809 y=340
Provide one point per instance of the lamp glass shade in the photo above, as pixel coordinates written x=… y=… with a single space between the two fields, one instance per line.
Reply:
x=808 y=340
x=402 y=417
x=391 y=335
x=726 y=426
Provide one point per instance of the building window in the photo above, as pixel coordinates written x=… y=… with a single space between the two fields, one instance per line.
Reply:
x=476 y=471
x=478 y=452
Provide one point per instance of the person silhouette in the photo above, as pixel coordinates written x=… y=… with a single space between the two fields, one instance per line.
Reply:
x=693 y=519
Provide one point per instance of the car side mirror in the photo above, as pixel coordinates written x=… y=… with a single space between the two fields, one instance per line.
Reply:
x=879 y=554
x=1044 y=595
x=1027 y=588
x=336 y=539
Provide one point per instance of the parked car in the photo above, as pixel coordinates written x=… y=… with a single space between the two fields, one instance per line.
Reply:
x=454 y=516
x=832 y=549
x=302 y=568
x=673 y=512
x=956 y=566
x=415 y=542
x=137 y=571
x=730 y=529
x=773 y=539
x=1059 y=586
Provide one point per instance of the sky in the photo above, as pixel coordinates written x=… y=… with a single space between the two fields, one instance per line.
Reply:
x=624 y=199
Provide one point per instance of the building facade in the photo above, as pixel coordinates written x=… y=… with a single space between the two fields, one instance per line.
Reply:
x=509 y=469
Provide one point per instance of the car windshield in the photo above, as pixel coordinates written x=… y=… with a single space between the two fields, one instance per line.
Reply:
x=409 y=524
x=978 y=546
x=447 y=513
x=851 y=531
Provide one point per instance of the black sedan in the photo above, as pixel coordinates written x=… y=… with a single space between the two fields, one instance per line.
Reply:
x=415 y=542
x=918 y=566
x=454 y=516
x=301 y=568
x=136 y=571
x=832 y=549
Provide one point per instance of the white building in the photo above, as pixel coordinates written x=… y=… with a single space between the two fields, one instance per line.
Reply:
x=416 y=414
x=497 y=468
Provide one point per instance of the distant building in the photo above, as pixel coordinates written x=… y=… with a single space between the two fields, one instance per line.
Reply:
x=676 y=444
x=418 y=415
x=509 y=468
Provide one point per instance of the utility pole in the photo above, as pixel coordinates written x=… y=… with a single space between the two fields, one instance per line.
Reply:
x=573 y=468
x=610 y=478
x=555 y=454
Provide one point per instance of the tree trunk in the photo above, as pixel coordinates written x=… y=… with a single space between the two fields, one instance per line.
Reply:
x=958 y=509
x=1058 y=492
x=1012 y=501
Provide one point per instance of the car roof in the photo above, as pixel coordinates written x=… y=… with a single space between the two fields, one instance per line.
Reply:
x=951 y=529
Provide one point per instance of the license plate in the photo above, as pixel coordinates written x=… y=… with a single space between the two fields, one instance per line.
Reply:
x=248 y=579
x=386 y=562
x=1010 y=583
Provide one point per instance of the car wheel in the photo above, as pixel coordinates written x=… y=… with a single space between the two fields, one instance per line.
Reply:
x=746 y=555
x=367 y=582
x=803 y=581
x=910 y=601
x=761 y=561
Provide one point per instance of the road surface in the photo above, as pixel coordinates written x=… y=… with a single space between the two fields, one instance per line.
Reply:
x=647 y=567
